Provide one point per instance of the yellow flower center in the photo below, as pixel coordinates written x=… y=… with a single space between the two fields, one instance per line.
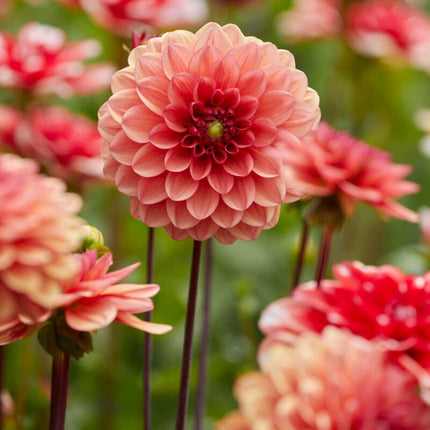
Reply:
x=215 y=130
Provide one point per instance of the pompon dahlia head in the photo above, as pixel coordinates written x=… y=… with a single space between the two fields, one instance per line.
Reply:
x=196 y=127
x=39 y=228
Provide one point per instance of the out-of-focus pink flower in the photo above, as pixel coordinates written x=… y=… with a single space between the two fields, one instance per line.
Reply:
x=39 y=59
x=330 y=381
x=39 y=229
x=425 y=225
x=10 y=120
x=5 y=6
x=390 y=30
x=123 y=16
x=6 y=404
x=93 y=299
x=311 y=19
x=67 y=144
x=196 y=127
x=378 y=303
x=333 y=163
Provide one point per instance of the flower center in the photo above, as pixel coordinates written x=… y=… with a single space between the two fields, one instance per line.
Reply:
x=215 y=129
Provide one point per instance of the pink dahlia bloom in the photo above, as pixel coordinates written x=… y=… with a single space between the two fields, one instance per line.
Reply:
x=378 y=303
x=391 y=30
x=38 y=230
x=311 y=19
x=330 y=381
x=67 y=144
x=39 y=59
x=93 y=299
x=332 y=163
x=123 y=16
x=196 y=128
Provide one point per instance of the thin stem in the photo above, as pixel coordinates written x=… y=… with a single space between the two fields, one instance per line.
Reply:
x=324 y=253
x=147 y=351
x=59 y=387
x=188 y=338
x=204 y=341
x=301 y=254
x=2 y=365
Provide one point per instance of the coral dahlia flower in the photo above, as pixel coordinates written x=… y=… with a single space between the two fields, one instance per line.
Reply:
x=67 y=144
x=196 y=127
x=378 y=303
x=330 y=381
x=390 y=30
x=311 y=19
x=123 y=16
x=39 y=59
x=93 y=299
x=39 y=228
x=333 y=163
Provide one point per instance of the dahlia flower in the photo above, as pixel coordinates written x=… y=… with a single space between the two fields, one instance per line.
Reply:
x=390 y=30
x=93 y=299
x=123 y=16
x=382 y=304
x=330 y=381
x=196 y=127
x=39 y=59
x=38 y=230
x=311 y=19
x=67 y=144
x=332 y=163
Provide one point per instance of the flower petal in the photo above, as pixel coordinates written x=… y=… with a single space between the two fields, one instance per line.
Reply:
x=177 y=159
x=220 y=180
x=177 y=117
x=153 y=215
x=148 y=161
x=164 y=137
x=153 y=92
x=200 y=168
x=264 y=131
x=269 y=192
x=203 y=60
x=180 y=186
x=181 y=88
x=267 y=162
x=225 y=216
x=240 y=164
x=135 y=322
x=203 y=202
x=179 y=214
x=276 y=105
x=176 y=59
x=242 y=194
x=138 y=122
x=151 y=190
x=247 y=56
x=252 y=83
x=123 y=149
x=90 y=314
x=225 y=72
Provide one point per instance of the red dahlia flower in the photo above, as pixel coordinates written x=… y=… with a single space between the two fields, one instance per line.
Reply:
x=332 y=163
x=196 y=128
x=40 y=60
x=378 y=303
x=391 y=30
x=330 y=381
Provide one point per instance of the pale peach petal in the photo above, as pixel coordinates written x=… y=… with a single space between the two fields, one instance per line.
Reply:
x=164 y=137
x=153 y=215
x=125 y=180
x=269 y=192
x=265 y=131
x=179 y=215
x=257 y=215
x=220 y=181
x=90 y=315
x=181 y=88
x=153 y=92
x=138 y=122
x=204 y=230
x=225 y=216
x=277 y=105
x=121 y=101
x=203 y=202
x=200 y=168
x=151 y=190
x=246 y=232
x=123 y=79
x=213 y=35
x=148 y=64
x=252 y=83
x=247 y=56
x=135 y=322
x=123 y=149
x=278 y=78
x=176 y=59
x=177 y=117
x=180 y=186
x=225 y=237
x=239 y=165
x=226 y=72
x=177 y=159
x=267 y=162
x=148 y=161
x=202 y=61
x=241 y=196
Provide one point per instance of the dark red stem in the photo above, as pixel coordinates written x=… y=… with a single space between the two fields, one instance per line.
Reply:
x=324 y=253
x=301 y=254
x=59 y=388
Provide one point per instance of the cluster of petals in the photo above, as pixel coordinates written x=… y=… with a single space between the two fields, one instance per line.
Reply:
x=333 y=163
x=93 y=299
x=391 y=30
x=311 y=19
x=41 y=60
x=332 y=380
x=124 y=16
x=382 y=304
x=196 y=129
x=39 y=228
x=68 y=145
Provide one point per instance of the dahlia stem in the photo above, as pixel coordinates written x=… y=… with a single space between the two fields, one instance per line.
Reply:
x=204 y=340
x=301 y=253
x=59 y=385
x=147 y=351
x=188 y=338
x=2 y=365
x=324 y=253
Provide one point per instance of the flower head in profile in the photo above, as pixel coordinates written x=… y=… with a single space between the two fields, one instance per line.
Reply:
x=123 y=16
x=332 y=163
x=330 y=381
x=41 y=60
x=311 y=19
x=196 y=127
x=39 y=228
x=382 y=304
x=93 y=299
x=68 y=145
x=390 y=30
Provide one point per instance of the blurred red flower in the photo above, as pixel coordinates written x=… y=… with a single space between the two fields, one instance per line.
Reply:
x=39 y=59
x=196 y=127
x=333 y=163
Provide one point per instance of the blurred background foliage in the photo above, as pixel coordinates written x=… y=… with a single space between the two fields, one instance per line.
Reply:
x=375 y=102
